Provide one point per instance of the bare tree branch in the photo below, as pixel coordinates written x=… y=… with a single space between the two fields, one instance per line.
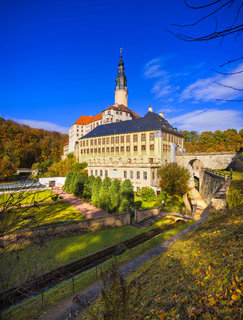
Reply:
x=203 y=6
x=225 y=86
x=227 y=73
x=231 y=61
x=203 y=18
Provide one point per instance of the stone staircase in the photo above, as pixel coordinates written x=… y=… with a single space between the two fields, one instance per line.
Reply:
x=149 y=221
x=218 y=201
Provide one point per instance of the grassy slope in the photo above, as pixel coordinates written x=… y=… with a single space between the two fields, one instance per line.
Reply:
x=27 y=197
x=198 y=277
x=58 y=252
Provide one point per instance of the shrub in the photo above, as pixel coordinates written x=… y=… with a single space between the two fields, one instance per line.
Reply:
x=126 y=195
x=96 y=191
x=72 y=183
x=174 y=179
x=162 y=196
x=87 y=194
x=147 y=194
x=235 y=195
x=174 y=204
x=114 y=195
x=103 y=196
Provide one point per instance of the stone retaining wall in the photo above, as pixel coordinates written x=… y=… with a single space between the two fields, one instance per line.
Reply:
x=141 y=215
x=66 y=229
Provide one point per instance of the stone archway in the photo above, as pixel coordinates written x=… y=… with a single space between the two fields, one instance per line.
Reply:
x=195 y=166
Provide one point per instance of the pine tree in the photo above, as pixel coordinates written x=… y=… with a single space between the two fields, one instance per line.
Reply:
x=96 y=191
x=68 y=181
x=103 y=196
x=72 y=183
x=126 y=195
x=87 y=194
x=114 y=195
x=78 y=185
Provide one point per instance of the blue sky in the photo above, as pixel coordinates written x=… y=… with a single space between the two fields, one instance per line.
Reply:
x=58 y=60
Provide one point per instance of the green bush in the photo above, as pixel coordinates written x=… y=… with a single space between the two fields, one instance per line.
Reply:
x=235 y=195
x=162 y=196
x=126 y=195
x=103 y=196
x=114 y=195
x=87 y=194
x=138 y=204
x=174 y=204
x=72 y=183
x=147 y=194
x=174 y=179
x=96 y=192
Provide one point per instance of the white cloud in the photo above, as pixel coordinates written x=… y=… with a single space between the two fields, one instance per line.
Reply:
x=43 y=125
x=209 y=119
x=208 y=90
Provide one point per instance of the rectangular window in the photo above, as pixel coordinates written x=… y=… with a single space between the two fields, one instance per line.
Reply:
x=122 y=139
x=135 y=148
x=99 y=141
x=112 y=149
x=128 y=148
x=112 y=139
x=116 y=112
x=91 y=142
x=128 y=138
x=87 y=142
x=95 y=150
x=135 y=137
x=114 y=173
x=107 y=140
x=117 y=149
x=88 y=151
x=143 y=136
x=108 y=149
x=152 y=147
x=98 y=150
x=103 y=141
x=80 y=143
x=145 y=175
x=122 y=148
x=101 y=173
x=153 y=175
x=131 y=174
x=95 y=142
x=103 y=150
x=125 y=174
x=91 y=172
x=143 y=147
x=138 y=174
x=117 y=139
x=84 y=150
x=106 y=173
x=91 y=150
x=96 y=172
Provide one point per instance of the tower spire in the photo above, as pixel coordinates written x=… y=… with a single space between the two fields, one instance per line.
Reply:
x=121 y=91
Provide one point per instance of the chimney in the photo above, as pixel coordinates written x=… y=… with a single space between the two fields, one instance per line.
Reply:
x=161 y=114
x=150 y=109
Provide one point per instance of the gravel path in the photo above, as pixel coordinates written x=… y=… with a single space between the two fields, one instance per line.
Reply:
x=68 y=310
x=83 y=207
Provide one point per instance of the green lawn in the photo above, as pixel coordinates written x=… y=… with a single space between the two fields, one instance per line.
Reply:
x=36 y=259
x=237 y=175
x=27 y=197
x=172 y=204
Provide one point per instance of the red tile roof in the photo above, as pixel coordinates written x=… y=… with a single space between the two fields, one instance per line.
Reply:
x=66 y=143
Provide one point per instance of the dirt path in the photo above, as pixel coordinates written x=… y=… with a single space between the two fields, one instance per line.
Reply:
x=199 y=202
x=83 y=207
x=67 y=310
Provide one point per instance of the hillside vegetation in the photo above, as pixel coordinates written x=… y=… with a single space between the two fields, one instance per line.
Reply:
x=21 y=146
x=197 y=278
x=208 y=141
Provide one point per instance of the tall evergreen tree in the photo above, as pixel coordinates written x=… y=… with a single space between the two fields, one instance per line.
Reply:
x=103 y=196
x=96 y=191
x=126 y=195
x=114 y=195
x=78 y=185
x=72 y=183
x=68 y=181
x=88 y=188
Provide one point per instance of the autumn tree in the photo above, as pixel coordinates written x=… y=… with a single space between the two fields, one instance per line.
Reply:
x=173 y=179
